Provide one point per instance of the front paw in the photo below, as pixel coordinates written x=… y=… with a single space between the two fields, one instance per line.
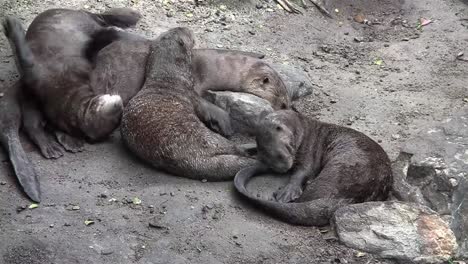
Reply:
x=69 y=143
x=51 y=150
x=288 y=194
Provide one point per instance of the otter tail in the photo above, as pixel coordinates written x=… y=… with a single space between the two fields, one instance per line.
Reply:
x=119 y=17
x=23 y=168
x=312 y=213
x=24 y=57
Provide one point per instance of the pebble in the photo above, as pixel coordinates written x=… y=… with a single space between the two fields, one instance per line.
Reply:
x=2 y=183
x=251 y=32
x=395 y=136
x=204 y=180
x=102 y=195
x=453 y=182
x=51 y=225
x=1 y=95
x=106 y=251
x=67 y=224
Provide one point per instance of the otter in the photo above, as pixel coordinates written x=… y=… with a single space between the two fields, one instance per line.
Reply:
x=163 y=124
x=120 y=59
x=343 y=166
x=10 y=122
x=53 y=69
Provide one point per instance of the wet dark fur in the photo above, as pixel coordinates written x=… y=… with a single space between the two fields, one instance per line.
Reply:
x=341 y=166
x=162 y=125
x=10 y=121
x=56 y=72
x=120 y=58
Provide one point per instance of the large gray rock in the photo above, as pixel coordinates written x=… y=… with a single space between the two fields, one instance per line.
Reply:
x=409 y=233
x=243 y=108
x=437 y=170
x=295 y=79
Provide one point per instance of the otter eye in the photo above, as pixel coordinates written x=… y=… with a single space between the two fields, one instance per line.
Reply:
x=278 y=128
x=283 y=106
x=266 y=80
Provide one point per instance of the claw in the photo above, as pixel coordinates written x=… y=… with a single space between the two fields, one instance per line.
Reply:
x=289 y=7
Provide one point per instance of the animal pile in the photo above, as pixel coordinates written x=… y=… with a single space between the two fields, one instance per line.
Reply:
x=82 y=75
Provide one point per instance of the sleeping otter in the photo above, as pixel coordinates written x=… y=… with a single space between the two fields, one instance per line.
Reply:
x=342 y=165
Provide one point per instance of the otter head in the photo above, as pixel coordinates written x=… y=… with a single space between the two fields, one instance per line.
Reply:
x=263 y=81
x=101 y=116
x=278 y=137
x=181 y=35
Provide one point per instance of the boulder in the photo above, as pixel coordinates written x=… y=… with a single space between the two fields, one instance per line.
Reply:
x=435 y=173
x=409 y=233
x=243 y=108
x=296 y=80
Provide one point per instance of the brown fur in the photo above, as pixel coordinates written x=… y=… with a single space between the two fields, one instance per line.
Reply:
x=342 y=166
x=161 y=124
x=54 y=70
x=120 y=69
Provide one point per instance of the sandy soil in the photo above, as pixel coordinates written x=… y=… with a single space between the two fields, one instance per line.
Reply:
x=419 y=82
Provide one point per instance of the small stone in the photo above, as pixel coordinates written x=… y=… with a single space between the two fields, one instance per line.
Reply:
x=204 y=180
x=359 y=39
x=405 y=39
x=259 y=6
x=395 y=136
x=333 y=101
x=453 y=182
x=346 y=33
x=1 y=95
x=20 y=208
x=51 y=225
x=171 y=194
x=2 y=183
x=86 y=6
x=169 y=14
x=106 y=251
x=386 y=45
x=66 y=224
x=235 y=237
x=75 y=208
x=269 y=10
x=238 y=243
x=251 y=32
x=102 y=195
x=219 y=46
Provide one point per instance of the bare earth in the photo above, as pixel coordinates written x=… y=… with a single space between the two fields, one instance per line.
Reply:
x=418 y=83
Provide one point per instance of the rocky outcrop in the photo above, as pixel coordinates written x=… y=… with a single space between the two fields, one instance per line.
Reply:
x=244 y=109
x=433 y=171
x=296 y=80
x=406 y=232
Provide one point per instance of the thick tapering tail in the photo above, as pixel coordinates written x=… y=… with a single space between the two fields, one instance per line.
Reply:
x=24 y=169
x=22 y=53
x=312 y=213
x=118 y=17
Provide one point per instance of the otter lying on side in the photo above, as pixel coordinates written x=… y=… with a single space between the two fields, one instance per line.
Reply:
x=120 y=59
x=55 y=71
x=163 y=125
x=342 y=164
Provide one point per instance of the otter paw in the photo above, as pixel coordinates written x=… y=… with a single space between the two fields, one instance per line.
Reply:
x=51 y=149
x=70 y=143
x=288 y=194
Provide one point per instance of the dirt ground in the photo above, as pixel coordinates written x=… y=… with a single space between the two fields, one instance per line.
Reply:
x=418 y=83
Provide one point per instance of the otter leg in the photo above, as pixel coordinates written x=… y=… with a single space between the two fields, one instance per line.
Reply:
x=68 y=142
x=247 y=150
x=293 y=189
x=119 y=17
x=214 y=117
x=34 y=126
